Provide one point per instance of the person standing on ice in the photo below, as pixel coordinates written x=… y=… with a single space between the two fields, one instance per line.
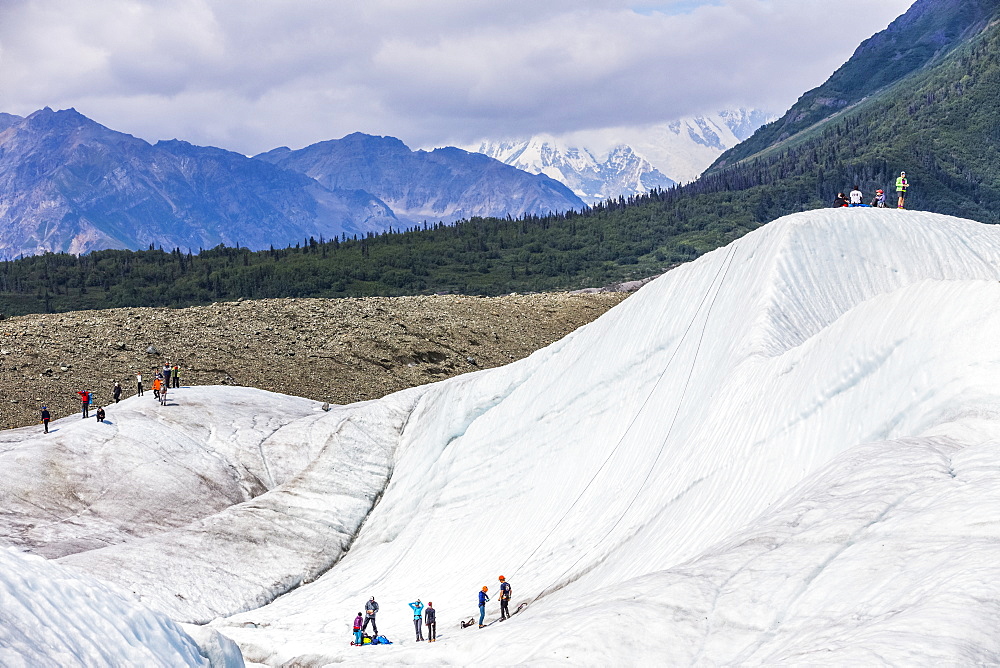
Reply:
x=418 y=619
x=166 y=375
x=85 y=402
x=176 y=376
x=156 y=387
x=357 y=629
x=430 y=617
x=138 y=383
x=117 y=392
x=504 y=598
x=45 y=418
x=371 y=607
x=482 y=605
x=901 y=185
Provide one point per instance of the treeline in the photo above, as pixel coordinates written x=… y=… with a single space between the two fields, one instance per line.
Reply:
x=622 y=240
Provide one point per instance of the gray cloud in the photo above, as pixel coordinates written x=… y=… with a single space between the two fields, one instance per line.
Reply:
x=252 y=76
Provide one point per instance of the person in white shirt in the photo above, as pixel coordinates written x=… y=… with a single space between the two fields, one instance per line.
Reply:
x=857 y=199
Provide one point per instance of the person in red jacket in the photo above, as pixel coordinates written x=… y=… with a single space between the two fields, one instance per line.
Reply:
x=85 y=399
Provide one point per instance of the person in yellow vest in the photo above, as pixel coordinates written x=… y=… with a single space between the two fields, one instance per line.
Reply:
x=901 y=185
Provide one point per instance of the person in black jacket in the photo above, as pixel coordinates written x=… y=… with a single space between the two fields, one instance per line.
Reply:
x=371 y=607
x=504 y=598
x=841 y=200
x=117 y=391
x=430 y=619
x=45 y=418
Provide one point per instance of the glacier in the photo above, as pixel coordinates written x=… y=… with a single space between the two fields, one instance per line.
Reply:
x=784 y=452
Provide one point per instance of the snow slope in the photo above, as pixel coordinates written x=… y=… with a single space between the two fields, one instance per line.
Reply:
x=786 y=451
x=50 y=616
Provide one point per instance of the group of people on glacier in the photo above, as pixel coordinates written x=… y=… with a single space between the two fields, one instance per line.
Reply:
x=169 y=376
x=857 y=198
x=426 y=615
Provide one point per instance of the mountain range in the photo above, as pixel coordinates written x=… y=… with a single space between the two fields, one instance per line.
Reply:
x=606 y=164
x=70 y=184
x=446 y=184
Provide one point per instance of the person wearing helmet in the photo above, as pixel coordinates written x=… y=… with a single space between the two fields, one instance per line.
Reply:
x=482 y=605
x=901 y=185
x=430 y=619
x=504 y=598
x=879 y=200
x=45 y=418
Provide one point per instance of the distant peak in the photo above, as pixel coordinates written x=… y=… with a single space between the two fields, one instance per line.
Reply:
x=361 y=137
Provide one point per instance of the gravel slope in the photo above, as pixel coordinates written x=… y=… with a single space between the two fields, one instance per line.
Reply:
x=332 y=350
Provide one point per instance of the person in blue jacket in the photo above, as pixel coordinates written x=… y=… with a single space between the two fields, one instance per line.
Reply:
x=418 y=622
x=482 y=605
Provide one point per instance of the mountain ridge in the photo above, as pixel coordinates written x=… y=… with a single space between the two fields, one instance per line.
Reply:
x=465 y=184
x=68 y=183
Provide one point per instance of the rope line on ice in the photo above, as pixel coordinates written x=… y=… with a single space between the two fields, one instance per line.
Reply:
x=723 y=271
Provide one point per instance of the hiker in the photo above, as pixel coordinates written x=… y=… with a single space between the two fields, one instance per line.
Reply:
x=841 y=200
x=100 y=415
x=901 y=185
x=166 y=375
x=879 y=199
x=504 y=598
x=85 y=400
x=430 y=618
x=482 y=605
x=418 y=614
x=163 y=394
x=857 y=199
x=117 y=392
x=177 y=376
x=371 y=607
x=157 y=383
x=45 y=418
x=138 y=382
x=357 y=629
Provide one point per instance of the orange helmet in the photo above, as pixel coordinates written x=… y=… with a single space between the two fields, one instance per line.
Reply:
x=486 y=588
x=501 y=578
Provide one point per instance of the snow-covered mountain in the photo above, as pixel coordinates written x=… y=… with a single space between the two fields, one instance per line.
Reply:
x=601 y=164
x=787 y=451
x=592 y=178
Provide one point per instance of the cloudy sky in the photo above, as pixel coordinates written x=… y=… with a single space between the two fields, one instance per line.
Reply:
x=250 y=75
